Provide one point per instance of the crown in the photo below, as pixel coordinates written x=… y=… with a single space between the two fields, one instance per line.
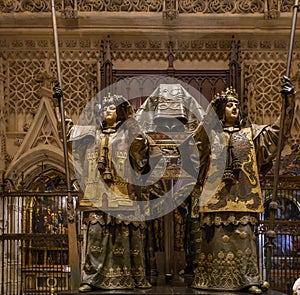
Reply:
x=117 y=100
x=230 y=92
x=113 y=99
x=227 y=95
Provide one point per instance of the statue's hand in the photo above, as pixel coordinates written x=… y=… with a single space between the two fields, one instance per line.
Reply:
x=287 y=87
x=57 y=91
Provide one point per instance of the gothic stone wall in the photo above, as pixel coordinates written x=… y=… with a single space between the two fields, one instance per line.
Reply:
x=140 y=33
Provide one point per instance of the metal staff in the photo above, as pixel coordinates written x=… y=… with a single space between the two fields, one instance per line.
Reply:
x=271 y=234
x=72 y=236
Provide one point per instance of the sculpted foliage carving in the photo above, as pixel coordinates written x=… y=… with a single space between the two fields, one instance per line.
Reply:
x=171 y=8
x=241 y=6
x=82 y=5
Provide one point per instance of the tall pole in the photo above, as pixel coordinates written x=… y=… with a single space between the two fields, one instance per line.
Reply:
x=72 y=235
x=271 y=234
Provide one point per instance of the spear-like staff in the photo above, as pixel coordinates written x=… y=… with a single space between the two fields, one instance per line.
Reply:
x=72 y=235
x=271 y=234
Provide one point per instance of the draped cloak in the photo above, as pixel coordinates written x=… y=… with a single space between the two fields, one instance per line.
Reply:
x=114 y=246
x=225 y=256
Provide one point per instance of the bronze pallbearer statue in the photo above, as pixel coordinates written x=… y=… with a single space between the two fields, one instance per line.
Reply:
x=227 y=206
x=106 y=158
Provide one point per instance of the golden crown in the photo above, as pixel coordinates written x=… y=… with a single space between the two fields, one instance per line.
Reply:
x=113 y=99
x=231 y=93
x=117 y=100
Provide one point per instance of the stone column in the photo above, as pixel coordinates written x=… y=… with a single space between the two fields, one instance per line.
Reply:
x=3 y=120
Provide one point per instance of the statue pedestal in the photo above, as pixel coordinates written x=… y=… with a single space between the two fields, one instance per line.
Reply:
x=178 y=285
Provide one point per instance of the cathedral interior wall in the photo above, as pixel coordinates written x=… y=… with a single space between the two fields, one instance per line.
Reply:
x=141 y=36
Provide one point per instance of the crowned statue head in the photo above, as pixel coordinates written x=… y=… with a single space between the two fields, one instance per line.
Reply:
x=227 y=107
x=113 y=110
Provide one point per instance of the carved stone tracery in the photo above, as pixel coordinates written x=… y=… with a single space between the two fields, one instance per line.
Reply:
x=262 y=81
x=170 y=8
x=28 y=70
x=81 y=57
x=28 y=64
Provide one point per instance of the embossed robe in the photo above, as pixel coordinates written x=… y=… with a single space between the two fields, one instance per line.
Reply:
x=114 y=247
x=226 y=249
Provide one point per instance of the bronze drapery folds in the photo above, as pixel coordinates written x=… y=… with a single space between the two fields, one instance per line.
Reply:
x=226 y=207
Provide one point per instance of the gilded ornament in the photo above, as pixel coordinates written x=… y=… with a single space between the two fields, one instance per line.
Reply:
x=119 y=251
x=221 y=255
x=202 y=256
x=243 y=235
x=225 y=239
x=230 y=256
x=96 y=249
x=248 y=252
x=239 y=253
x=134 y=252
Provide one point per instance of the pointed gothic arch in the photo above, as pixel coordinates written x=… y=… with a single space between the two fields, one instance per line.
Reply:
x=41 y=146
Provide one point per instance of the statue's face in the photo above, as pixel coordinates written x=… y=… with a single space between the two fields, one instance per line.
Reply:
x=232 y=111
x=110 y=114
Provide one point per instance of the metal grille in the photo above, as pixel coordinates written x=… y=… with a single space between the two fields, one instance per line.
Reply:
x=34 y=243
x=34 y=264
x=284 y=263
x=34 y=236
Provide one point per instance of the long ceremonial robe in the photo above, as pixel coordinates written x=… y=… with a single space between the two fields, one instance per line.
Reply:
x=226 y=251
x=114 y=247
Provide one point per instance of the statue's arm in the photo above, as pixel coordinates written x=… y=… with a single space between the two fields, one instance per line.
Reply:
x=80 y=136
x=266 y=137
